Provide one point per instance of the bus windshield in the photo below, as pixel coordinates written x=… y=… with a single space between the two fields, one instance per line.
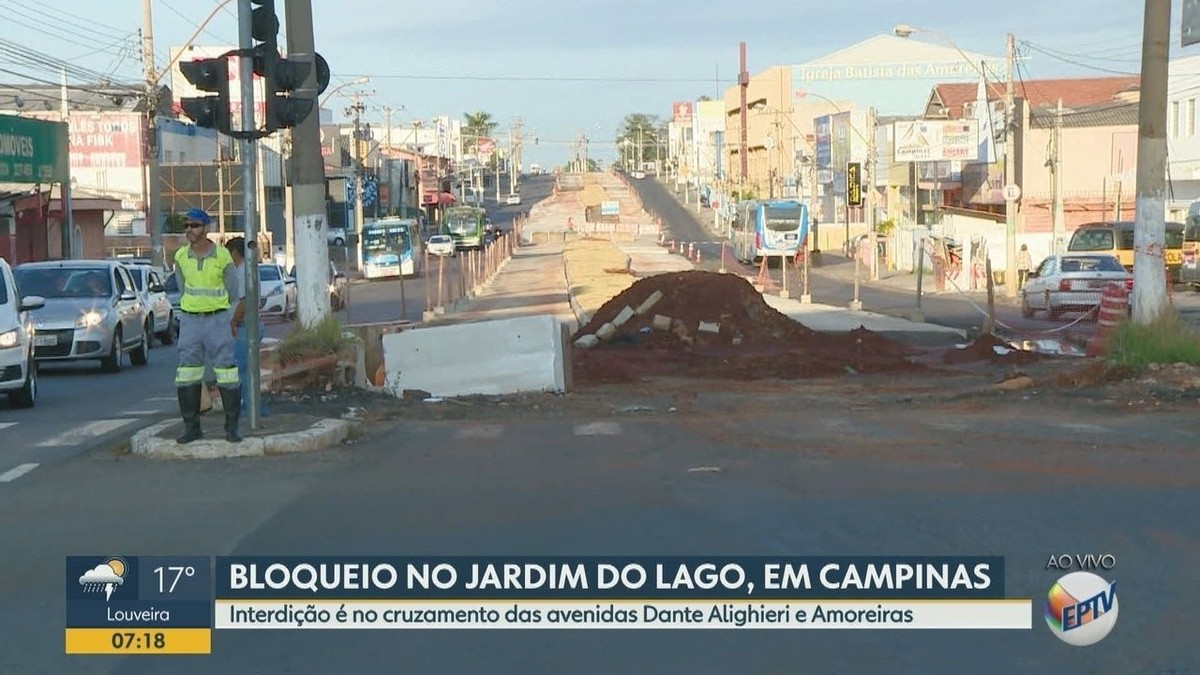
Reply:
x=461 y=223
x=391 y=239
x=783 y=218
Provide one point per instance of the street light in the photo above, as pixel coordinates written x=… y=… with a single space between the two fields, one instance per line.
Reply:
x=356 y=81
x=1012 y=192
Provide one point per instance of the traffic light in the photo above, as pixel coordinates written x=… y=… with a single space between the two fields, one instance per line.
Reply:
x=282 y=76
x=212 y=75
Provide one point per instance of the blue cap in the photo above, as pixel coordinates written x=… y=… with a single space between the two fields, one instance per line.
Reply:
x=199 y=216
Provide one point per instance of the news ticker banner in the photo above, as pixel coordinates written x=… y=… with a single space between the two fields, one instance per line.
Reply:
x=148 y=604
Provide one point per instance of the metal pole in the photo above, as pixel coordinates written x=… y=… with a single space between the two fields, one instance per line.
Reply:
x=154 y=220
x=1149 y=233
x=250 y=215
x=871 y=180
x=67 y=226
x=1010 y=171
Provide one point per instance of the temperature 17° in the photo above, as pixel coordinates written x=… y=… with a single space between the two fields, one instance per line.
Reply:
x=171 y=575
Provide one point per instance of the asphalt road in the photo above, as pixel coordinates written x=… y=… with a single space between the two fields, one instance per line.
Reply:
x=832 y=282
x=817 y=479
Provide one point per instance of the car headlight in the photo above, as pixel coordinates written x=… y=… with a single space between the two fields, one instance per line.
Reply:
x=90 y=319
x=8 y=339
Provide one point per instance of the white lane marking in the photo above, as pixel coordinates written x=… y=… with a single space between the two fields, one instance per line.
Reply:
x=157 y=399
x=16 y=472
x=1085 y=428
x=133 y=413
x=83 y=433
x=598 y=429
x=5 y=425
x=481 y=431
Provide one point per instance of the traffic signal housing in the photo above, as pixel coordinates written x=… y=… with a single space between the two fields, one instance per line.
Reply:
x=210 y=75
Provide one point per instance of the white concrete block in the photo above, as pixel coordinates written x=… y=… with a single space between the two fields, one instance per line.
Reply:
x=649 y=302
x=524 y=354
x=606 y=331
x=709 y=327
x=623 y=317
x=587 y=341
x=660 y=322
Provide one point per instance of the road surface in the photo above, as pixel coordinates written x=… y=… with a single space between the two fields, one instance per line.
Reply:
x=824 y=478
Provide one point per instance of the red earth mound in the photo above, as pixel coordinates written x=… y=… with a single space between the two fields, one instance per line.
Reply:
x=717 y=325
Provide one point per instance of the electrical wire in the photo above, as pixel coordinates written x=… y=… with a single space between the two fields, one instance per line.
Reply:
x=530 y=78
x=1077 y=63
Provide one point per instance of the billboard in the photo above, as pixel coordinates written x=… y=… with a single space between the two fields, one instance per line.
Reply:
x=681 y=112
x=106 y=140
x=937 y=141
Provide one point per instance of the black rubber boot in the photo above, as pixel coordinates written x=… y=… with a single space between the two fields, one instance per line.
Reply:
x=189 y=409
x=231 y=401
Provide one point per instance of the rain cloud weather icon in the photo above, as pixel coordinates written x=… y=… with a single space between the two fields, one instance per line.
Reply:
x=104 y=577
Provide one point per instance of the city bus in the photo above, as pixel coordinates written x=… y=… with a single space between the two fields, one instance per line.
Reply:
x=389 y=248
x=465 y=225
x=771 y=228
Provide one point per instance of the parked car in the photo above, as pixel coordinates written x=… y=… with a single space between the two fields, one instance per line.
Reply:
x=171 y=288
x=18 y=367
x=512 y=199
x=153 y=291
x=277 y=291
x=92 y=311
x=1071 y=282
x=336 y=236
x=337 y=286
x=440 y=245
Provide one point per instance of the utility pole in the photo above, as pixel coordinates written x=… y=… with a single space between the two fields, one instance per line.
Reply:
x=514 y=166
x=154 y=220
x=1010 y=170
x=308 y=177
x=1056 y=168
x=743 y=85
x=387 y=111
x=872 y=223
x=1149 y=299
x=67 y=226
x=356 y=109
x=250 y=211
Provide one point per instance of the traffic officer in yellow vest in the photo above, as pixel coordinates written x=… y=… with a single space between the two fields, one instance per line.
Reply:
x=209 y=286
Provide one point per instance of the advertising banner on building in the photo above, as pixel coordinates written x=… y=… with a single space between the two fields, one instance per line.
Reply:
x=681 y=112
x=937 y=141
x=106 y=140
x=854 y=196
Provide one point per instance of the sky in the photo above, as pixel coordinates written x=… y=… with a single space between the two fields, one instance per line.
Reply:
x=572 y=68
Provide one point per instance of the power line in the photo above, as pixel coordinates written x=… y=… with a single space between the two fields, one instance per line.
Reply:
x=532 y=78
x=1075 y=62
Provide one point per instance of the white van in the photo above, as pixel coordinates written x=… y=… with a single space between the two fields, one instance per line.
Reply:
x=18 y=370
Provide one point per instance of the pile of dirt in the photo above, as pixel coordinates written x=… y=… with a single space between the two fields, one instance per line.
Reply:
x=708 y=324
x=992 y=349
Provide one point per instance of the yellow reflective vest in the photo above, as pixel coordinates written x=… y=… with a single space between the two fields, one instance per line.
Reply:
x=203 y=284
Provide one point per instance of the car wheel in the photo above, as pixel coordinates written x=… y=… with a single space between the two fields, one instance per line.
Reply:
x=26 y=396
x=339 y=242
x=168 y=336
x=141 y=355
x=1051 y=312
x=112 y=362
x=1026 y=310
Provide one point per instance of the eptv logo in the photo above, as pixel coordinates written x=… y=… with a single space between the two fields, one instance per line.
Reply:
x=1081 y=608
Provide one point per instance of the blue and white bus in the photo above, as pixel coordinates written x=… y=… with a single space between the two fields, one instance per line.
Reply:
x=768 y=227
x=389 y=248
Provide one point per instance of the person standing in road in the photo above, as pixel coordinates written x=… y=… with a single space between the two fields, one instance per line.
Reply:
x=209 y=285
x=237 y=250
x=1024 y=264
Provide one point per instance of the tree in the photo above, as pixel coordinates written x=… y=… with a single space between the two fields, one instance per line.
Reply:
x=476 y=125
x=641 y=137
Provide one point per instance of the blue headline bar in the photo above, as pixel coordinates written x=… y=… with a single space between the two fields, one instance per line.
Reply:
x=613 y=578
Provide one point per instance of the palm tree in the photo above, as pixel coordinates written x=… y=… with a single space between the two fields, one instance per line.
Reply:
x=477 y=125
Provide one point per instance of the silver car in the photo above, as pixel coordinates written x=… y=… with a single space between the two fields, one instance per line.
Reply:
x=92 y=311
x=150 y=287
x=1071 y=282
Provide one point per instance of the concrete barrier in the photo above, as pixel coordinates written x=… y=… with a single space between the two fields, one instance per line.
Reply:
x=509 y=356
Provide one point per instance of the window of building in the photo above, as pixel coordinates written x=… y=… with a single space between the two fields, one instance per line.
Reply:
x=1174 y=118
x=1190 y=125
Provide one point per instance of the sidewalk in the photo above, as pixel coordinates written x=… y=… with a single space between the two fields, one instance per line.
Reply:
x=532 y=283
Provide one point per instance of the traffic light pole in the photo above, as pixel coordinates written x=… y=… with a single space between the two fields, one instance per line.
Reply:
x=250 y=209
x=308 y=177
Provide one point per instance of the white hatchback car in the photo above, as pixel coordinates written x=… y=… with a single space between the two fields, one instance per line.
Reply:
x=440 y=245
x=18 y=368
x=513 y=199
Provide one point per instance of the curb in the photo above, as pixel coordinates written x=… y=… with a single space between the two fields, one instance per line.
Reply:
x=581 y=316
x=321 y=435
